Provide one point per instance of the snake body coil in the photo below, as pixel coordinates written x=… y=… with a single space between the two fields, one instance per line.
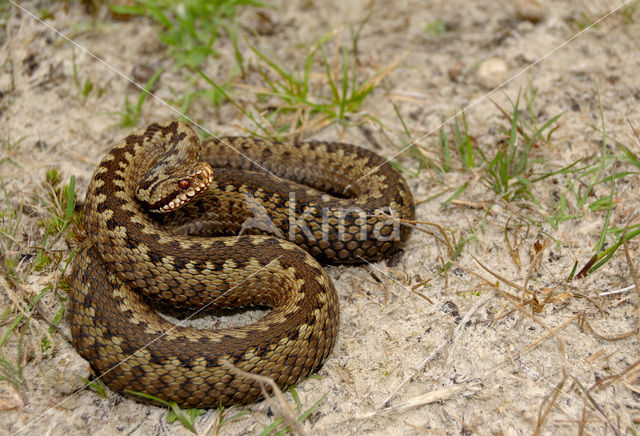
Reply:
x=325 y=198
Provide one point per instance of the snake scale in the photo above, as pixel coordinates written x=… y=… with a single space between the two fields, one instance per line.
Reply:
x=159 y=220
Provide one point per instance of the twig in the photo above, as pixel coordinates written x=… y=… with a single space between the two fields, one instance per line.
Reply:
x=281 y=407
x=415 y=288
x=542 y=415
x=532 y=265
x=466 y=389
x=595 y=405
x=610 y=379
x=549 y=333
x=615 y=292
x=412 y=223
x=484 y=205
x=585 y=324
x=498 y=276
x=519 y=307
x=585 y=269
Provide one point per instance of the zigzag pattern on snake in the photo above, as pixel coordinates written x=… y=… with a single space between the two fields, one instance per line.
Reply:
x=158 y=215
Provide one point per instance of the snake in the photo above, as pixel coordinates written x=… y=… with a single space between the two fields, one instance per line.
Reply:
x=223 y=224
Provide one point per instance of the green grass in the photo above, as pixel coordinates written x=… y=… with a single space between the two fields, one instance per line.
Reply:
x=605 y=169
x=223 y=419
x=4 y=12
x=16 y=263
x=629 y=11
x=463 y=154
x=626 y=13
x=11 y=369
x=436 y=27
x=508 y=169
x=186 y=417
x=277 y=428
x=458 y=250
x=584 y=20
x=337 y=99
x=414 y=150
x=59 y=205
x=329 y=87
x=560 y=212
x=87 y=86
x=603 y=255
x=189 y=28
x=97 y=386
x=515 y=170
x=610 y=167
x=320 y=91
x=10 y=145
x=212 y=95
x=84 y=88
x=10 y=225
x=509 y=172
x=131 y=115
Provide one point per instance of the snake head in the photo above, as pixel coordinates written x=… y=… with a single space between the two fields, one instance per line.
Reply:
x=166 y=189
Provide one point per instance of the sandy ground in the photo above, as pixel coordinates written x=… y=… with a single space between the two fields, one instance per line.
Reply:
x=490 y=366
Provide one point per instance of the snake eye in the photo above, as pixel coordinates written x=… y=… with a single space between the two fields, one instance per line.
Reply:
x=183 y=184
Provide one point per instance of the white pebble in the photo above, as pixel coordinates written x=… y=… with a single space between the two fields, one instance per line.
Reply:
x=492 y=72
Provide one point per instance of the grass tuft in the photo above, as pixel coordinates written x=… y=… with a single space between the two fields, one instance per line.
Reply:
x=58 y=206
x=323 y=90
x=189 y=28
x=276 y=427
x=186 y=417
x=509 y=172
x=131 y=115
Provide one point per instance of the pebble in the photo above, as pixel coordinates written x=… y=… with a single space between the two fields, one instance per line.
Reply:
x=141 y=74
x=529 y=10
x=30 y=64
x=492 y=72
x=66 y=372
x=262 y=23
x=451 y=17
x=455 y=70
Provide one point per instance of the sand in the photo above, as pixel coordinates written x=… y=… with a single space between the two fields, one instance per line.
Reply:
x=467 y=359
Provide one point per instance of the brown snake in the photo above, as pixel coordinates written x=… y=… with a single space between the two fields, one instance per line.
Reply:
x=326 y=198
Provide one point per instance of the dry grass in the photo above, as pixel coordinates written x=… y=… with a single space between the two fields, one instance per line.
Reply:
x=510 y=308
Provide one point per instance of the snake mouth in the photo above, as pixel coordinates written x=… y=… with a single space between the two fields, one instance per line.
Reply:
x=198 y=183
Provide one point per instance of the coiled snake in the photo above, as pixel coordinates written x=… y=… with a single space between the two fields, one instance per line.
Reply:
x=324 y=199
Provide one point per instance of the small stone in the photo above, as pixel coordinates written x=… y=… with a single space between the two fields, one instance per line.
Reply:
x=395 y=259
x=492 y=72
x=451 y=18
x=141 y=74
x=529 y=10
x=263 y=24
x=67 y=372
x=10 y=399
x=450 y=308
x=455 y=70
x=30 y=64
